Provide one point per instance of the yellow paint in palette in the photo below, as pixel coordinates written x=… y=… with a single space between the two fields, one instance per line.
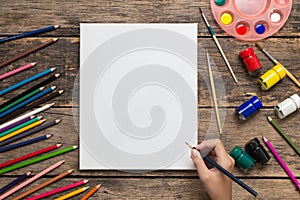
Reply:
x=271 y=77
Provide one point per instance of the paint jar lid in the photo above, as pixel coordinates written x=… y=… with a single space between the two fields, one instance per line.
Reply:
x=296 y=99
x=220 y=2
x=256 y=102
x=280 y=71
x=247 y=52
x=236 y=152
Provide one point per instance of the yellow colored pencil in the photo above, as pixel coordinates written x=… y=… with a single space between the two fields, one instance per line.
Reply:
x=21 y=130
x=71 y=194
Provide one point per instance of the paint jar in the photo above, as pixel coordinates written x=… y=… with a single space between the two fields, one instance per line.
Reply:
x=271 y=77
x=288 y=106
x=242 y=159
x=257 y=151
x=249 y=107
x=250 y=60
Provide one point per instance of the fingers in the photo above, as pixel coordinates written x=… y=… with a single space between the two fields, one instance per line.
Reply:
x=202 y=169
x=223 y=158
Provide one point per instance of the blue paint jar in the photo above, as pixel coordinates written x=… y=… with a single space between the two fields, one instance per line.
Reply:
x=249 y=107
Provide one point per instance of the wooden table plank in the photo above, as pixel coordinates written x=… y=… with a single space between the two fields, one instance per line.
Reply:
x=65 y=55
x=169 y=188
x=70 y=13
x=235 y=131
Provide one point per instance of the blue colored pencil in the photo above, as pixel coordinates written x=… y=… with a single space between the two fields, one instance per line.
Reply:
x=27 y=142
x=15 y=182
x=227 y=173
x=38 y=31
x=20 y=105
x=26 y=81
x=29 y=132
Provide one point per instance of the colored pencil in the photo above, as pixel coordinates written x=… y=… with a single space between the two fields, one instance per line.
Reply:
x=32 y=105
x=37 y=159
x=58 y=190
x=21 y=130
x=27 y=101
x=42 y=173
x=30 y=132
x=34 y=32
x=22 y=99
x=41 y=84
x=73 y=193
x=30 y=155
x=29 y=51
x=17 y=123
x=218 y=45
x=36 y=111
x=18 y=70
x=225 y=172
x=91 y=192
x=15 y=182
x=26 y=81
x=284 y=135
x=281 y=162
x=20 y=126
x=288 y=73
x=27 y=142
x=213 y=90
x=44 y=184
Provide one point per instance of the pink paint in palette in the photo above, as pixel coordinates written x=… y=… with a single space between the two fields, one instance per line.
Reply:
x=251 y=20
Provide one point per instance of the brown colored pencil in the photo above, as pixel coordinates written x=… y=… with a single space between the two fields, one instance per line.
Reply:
x=91 y=192
x=44 y=184
x=29 y=51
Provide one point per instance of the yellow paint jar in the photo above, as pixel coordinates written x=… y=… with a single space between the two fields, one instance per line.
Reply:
x=271 y=77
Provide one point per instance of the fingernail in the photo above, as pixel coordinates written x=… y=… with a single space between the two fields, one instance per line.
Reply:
x=194 y=153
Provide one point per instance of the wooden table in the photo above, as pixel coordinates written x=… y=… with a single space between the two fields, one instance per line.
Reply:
x=270 y=181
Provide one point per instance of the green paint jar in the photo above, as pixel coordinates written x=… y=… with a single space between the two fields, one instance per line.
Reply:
x=242 y=159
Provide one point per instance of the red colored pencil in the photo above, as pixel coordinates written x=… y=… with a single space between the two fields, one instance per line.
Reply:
x=18 y=70
x=57 y=190
x=30 y=155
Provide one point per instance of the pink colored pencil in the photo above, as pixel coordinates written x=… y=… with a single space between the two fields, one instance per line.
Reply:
x=281 y=162
x=45 y=171
x=57 y=190
x=18 y=70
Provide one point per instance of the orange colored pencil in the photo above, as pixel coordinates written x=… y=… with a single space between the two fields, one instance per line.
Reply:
x=91 y=192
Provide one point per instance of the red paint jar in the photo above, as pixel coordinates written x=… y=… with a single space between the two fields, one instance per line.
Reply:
x=250 y=60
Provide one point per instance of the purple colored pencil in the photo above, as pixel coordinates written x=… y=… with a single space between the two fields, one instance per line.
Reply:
x=281 y=162
x=16 y=123
x=15 y=182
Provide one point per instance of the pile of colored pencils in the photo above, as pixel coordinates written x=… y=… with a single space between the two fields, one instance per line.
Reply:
x=18 y=120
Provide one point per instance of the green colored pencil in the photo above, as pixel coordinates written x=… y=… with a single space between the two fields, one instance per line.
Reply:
x=284 y=135
x=37 y=159
x=21 y=126
x=34 y=92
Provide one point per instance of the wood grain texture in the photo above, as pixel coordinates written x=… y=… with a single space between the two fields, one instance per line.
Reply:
x=169 y=188
x=65 y=55
x=70 y=13
x=270 y=181
x=235 y=131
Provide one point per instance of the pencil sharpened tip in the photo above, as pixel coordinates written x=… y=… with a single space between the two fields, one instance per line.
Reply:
x=57 y=121
x=190 y=146
x=56 y=26
x=269 y=119
x=58 y=145
x=98 y=186
x=85 y=181
x=55 y=39
x=264 y=138
x=75 y=147
x=34 y=63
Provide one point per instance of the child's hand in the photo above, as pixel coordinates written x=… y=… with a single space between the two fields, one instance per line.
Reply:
x=217 y=185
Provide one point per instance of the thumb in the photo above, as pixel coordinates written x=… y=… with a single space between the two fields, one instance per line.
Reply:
x=201 y=167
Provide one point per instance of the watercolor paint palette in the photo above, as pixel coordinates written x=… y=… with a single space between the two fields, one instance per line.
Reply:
x=251 y=20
